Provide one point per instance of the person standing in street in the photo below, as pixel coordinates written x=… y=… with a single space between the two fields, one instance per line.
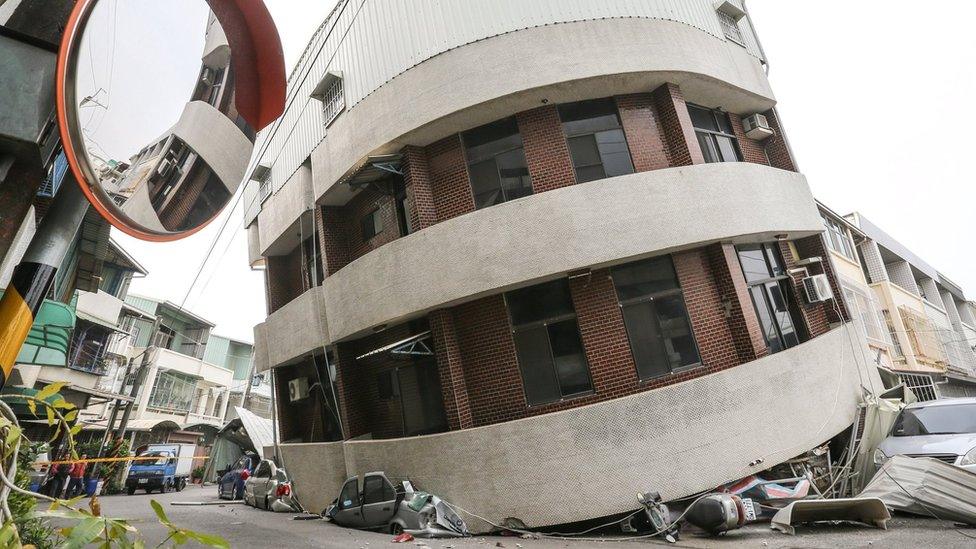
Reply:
x=77 y=484
x=60 y=474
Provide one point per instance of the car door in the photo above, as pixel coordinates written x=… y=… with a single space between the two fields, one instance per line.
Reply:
x=349 y=507
x=379 y=501
x=259 y=482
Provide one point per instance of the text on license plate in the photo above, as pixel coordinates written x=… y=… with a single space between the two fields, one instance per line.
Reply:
x=143 y=480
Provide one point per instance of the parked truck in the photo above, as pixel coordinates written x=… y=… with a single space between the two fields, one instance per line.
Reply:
x=170 y=470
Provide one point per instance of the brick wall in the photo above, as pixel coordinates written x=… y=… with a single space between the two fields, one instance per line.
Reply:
x=284 y=279
x=308 y=419
x=331 y=225
x=817 y=316
x=752 y=150
x=449 y=178
x=703 y=299
x=682 y=144
x=777 y=150
x=730 y=283
x=366 y=201
x=644 y=131
x=420 y=197
x=546 y=149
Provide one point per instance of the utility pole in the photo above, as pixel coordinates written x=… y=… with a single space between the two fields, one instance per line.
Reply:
x=147 y=355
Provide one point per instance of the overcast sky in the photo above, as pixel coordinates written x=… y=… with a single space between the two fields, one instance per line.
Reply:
x=874 y=98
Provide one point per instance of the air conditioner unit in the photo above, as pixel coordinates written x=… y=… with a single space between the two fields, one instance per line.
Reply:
x=817 y=288
x=757 y=127
x=298 y=389
x=208 y=76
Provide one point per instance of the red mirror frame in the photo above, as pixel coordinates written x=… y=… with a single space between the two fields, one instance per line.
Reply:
x=260 y=86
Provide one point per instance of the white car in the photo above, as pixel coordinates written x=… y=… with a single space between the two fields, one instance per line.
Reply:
x=269 y=488
x=940 y=429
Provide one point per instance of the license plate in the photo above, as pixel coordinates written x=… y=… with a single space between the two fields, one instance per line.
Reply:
x=750 y=508
x=143 y=480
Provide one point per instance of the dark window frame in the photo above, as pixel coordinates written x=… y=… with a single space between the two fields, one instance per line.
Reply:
x=375 y=224
x=545 y=323
x=469 y=163
x=651 y=297
x=784 y=282
x=712 y=136
x=566 y=110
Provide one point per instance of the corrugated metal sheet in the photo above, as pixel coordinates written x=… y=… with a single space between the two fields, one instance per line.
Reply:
x=372 y=41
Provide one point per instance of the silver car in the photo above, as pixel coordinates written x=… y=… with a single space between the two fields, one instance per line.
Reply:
x=940 y=429
x=381 y=505
x=269 y=488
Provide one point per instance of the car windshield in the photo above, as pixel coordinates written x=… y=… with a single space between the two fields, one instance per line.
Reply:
x=936 y=420
x=163 y=456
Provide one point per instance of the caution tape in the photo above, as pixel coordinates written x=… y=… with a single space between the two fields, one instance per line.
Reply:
x=115 y=459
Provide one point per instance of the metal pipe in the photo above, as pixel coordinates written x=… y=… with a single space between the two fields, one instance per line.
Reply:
x=33 y=277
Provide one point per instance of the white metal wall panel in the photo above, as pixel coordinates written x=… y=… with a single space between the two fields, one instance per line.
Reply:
x=372 y=41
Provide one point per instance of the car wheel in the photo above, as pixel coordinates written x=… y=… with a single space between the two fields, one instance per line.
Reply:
x=181 y=485
x=131 y=490
x=395 y=528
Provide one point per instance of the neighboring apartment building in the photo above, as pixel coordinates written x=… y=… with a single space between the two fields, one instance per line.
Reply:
x=249 y=390
x=507 y=253
x=931 y=323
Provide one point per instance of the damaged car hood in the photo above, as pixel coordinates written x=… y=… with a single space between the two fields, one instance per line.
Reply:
x=958 y=444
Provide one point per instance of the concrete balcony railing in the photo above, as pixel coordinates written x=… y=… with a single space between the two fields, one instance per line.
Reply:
x=293 y=331
x=100 y=306
x=709 y=431
x=172 y=360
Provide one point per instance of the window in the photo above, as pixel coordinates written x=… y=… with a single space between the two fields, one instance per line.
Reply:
x=715 y=135
x=164 y=337
x=333 y=101
x=312 y=272
x=263 y=470
x=865 y=312
x=769 y=286
x=402 y=209
x=349 y=497
x=376 y=490
x=653 y=307
x=839 y=239
x=596 y=140
x=730 y=26
x=547 y=342
x=372 y=224
x=496 y=163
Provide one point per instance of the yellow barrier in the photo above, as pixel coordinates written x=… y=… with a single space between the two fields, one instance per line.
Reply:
x=111 y=460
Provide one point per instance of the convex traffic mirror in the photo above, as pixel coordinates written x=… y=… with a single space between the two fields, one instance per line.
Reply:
x=159 y=103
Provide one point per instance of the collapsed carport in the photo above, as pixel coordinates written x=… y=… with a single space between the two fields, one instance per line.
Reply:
x=245 y=433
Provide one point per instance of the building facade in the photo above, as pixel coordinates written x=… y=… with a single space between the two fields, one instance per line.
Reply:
x=930 y=322
x=509 y=252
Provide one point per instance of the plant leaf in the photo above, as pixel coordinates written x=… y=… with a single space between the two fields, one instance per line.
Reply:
x=32 y=406
x=160 y=514
x=210 y=540
x=51 y=419
x=84 y=533
x=50 y=390
x=71 y=416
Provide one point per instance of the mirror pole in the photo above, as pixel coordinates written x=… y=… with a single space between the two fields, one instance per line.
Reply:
x=34 y=275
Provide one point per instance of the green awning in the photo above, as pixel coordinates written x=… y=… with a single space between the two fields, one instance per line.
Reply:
x=19 y=405
x=50 y=337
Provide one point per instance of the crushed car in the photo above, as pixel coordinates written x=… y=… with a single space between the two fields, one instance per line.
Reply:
x=269 y=488
x=943 y=429
x=396 y=508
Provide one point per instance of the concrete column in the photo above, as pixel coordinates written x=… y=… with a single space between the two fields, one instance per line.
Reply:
x=871 y=255
x=450 y=366
x=683 y=147
x=142 y=399
x=900 y=273
x=747 y=334
x=203 y=402
x=416 y=178
x=332 y=238
x=546 y=149
x=930 y=291
x=224 y=403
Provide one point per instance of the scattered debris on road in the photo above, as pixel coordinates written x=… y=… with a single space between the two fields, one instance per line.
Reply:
x=927 y=487
x=866 y=510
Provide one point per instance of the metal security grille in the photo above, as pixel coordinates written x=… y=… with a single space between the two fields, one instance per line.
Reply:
x=921 y=385
x=333 y=101
x=730 y=27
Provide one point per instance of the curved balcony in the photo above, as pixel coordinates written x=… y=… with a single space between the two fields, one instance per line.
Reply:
x=499 y=75
x=705 y=432
x=292 y=332
x=544 y=236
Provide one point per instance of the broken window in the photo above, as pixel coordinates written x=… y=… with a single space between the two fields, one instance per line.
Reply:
x=653 y=307
x=547 y=342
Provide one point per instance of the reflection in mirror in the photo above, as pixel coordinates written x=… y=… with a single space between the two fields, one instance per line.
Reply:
x=164 y=146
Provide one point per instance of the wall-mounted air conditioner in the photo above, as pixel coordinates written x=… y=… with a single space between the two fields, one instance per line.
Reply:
x=298 y=389
x=817 y=288
x=757 y=127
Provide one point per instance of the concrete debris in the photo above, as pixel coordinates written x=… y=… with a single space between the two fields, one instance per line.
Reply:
x=403 y=538
x=927 y=487
x=867 y=510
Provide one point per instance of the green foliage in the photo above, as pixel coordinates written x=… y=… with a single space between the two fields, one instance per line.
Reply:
x=197 y=473
x=30 y=527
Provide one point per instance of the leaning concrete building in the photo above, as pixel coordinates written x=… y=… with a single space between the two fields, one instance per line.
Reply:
x=513 y=247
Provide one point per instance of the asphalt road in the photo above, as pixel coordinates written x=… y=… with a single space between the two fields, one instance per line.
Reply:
x=250 y=528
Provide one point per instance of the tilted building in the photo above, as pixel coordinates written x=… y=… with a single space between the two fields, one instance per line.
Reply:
x=514 y=246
